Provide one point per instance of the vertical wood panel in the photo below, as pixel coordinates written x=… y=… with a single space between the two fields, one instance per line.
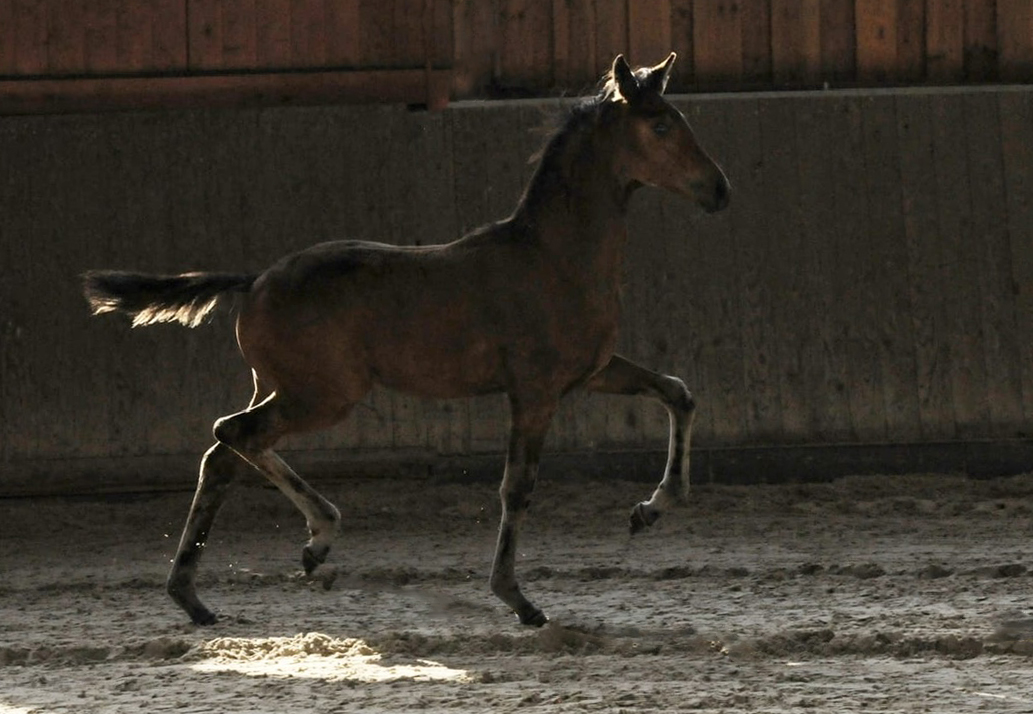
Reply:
x=19 y=188
x=1016 y=116
x=838 y=41
x=681 y=42
x=796 y=41
x=963 y=298
x=611 y=33
x=169 y=34
x=1001 y=341
x=890 y=290
x=649 y=31
x=561 y=61
x=580 y=63
x=945 y=40
x=410 y=20
x=525 y=44
x=239 y=34
x=343 y=33
x=717 y=41
x=928 y=318
x=29 y=21
x=476 y=46
x=876 y=23
x=273 y=33
x=308 y=33
x=854 y=278
x=10 y=251
x=980 y=51
x=757 y=41
x=438 y=26
x=910 y=64
x=787 y=279
x=205 y=34
x=756 y=251
x=135 y=42
x=8 y=37
x=1015 y=38
x=66 y=48
x=102 y=36
x=825 y=378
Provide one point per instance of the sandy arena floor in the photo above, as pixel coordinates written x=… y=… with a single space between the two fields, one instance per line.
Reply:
x=905 y=594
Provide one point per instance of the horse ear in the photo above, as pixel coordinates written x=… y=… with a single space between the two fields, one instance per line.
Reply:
x=624 y=78
x=658 y=75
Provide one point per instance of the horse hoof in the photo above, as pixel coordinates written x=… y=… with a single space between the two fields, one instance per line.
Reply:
x=536 y=618
x=642 y=517
x=310 y=559
x=325 y=575
x=204 y=617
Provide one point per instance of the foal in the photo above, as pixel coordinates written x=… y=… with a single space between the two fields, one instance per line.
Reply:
x=528 y=306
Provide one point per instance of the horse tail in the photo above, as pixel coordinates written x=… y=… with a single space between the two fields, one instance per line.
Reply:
x=185 y=298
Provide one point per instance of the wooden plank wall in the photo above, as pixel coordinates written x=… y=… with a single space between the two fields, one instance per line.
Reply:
x=748 y=44
x=870 y=283
x=499 y=48
x=96 y=37
x=81 y=55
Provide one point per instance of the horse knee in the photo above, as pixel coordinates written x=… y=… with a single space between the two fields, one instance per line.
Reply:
x=679 y=396
x=517 y=499
x=243 y=432
x=229 y=430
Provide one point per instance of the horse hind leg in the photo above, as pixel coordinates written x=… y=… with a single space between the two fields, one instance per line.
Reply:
x=252 y=433
x=219 y=468
x=621 y=376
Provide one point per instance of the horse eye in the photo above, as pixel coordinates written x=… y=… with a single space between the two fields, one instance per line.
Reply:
x=661 y=128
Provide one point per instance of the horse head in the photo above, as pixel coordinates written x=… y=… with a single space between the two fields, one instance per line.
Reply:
x=659 y=147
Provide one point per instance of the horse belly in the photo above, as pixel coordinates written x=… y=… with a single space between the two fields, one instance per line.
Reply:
x=441 y=366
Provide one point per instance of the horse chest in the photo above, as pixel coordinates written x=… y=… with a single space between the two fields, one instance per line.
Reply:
x=586 y=336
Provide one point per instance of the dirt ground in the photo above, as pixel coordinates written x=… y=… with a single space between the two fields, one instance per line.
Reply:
x=902 y=594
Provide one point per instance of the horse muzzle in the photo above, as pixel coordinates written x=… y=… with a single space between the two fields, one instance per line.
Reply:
x=713 y=197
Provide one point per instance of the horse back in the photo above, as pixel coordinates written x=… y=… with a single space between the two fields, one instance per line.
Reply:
x=459 y=319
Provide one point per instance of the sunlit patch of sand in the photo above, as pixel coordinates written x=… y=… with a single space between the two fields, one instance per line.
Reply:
x=315 y=656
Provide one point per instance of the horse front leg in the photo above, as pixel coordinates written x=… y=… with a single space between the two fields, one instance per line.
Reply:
x=527 y=435
x=621 y=376
x=219 y=467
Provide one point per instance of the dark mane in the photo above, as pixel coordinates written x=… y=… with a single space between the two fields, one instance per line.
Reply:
x=563 y=152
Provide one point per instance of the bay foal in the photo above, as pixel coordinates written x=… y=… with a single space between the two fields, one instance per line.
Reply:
x=528 y=306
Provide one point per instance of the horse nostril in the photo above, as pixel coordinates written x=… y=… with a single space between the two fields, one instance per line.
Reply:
x=712 y=196
x=721 y=191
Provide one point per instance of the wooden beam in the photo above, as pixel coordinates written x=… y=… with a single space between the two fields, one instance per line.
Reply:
x=55 y=96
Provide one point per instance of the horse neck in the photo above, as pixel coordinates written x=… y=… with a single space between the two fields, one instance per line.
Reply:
x=577 y=208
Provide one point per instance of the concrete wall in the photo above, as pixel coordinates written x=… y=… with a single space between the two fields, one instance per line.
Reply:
x=871 y=283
